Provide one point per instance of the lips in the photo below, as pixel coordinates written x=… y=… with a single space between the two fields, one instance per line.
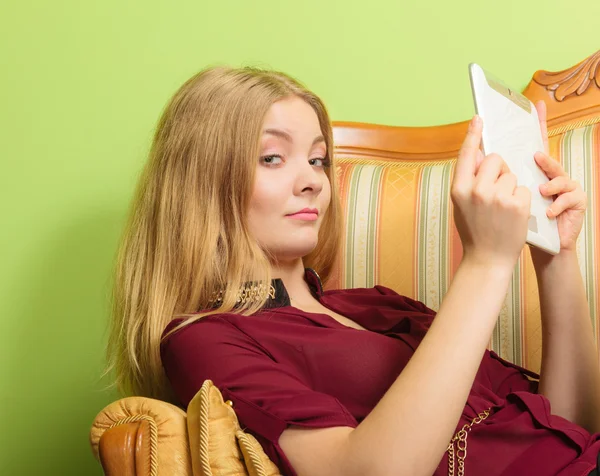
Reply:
x=306 y=214
x=305 y=210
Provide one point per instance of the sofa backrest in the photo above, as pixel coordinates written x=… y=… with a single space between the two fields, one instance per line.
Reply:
x=395 y=191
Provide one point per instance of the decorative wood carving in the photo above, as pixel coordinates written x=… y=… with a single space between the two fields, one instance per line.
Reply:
x=570 y=95
x=575 y=80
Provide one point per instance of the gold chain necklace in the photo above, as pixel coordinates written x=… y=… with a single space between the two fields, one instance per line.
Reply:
x=461 y=444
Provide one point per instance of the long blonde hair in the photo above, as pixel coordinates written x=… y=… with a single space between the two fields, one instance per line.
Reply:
x=187 y=235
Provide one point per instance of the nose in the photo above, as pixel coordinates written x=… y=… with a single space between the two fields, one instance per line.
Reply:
x=309 y=179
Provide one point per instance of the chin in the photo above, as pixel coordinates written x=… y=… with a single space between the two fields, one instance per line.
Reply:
x=288 y=252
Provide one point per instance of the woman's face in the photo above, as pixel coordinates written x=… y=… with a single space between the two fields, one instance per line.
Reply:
x=290 y=177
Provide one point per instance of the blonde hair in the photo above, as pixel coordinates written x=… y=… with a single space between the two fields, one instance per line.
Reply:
x=187 y=236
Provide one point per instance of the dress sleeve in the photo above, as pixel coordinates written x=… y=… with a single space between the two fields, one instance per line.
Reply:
x=267 y=395
x=505 y=377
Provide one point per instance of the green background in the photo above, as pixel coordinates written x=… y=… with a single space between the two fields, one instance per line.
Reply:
x=82 y=85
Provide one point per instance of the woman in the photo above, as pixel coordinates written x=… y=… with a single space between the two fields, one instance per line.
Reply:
x=216 y=280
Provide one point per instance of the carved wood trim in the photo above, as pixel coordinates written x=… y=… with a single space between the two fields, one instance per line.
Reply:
x=575 y=80
x=570 y=95
x=578 y=89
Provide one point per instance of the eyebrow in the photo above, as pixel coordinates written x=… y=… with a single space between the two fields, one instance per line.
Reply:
x=287 y=137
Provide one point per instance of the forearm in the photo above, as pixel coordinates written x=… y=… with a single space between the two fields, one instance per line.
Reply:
x=570 y=375
x=410 y=428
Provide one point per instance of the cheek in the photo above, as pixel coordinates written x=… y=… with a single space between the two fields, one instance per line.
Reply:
x=266 y=197
x=326 y=195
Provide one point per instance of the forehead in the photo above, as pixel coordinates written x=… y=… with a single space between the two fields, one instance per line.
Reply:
x=294 y=115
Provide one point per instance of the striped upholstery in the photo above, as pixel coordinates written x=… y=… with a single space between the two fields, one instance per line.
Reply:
x=400 y=233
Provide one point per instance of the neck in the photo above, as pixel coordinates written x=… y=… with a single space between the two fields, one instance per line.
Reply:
x=291 y=274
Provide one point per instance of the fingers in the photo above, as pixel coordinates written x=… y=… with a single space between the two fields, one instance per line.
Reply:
x=490 y=169
x=467 y=157
x=567 y=201
x=557 y=186
x=540 y=106
x=523 y=197
x=570 y=194
x=478 y=160
x=549 y=166
x=506 y=185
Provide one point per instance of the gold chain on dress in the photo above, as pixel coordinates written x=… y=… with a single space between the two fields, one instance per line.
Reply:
x=461 y=444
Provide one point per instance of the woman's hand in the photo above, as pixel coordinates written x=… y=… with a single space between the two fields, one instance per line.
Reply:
x=490 y=211
x=571 y=201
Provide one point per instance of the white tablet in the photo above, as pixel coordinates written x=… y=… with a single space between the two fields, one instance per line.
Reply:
x=512 y=130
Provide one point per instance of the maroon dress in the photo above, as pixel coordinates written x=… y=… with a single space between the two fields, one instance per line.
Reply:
x=283 y=366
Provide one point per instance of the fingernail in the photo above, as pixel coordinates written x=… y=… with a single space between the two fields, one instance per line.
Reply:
x=476 y=120
x=550 y=213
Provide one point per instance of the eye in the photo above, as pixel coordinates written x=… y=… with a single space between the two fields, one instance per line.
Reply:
x=271 y=160
x=322 y=162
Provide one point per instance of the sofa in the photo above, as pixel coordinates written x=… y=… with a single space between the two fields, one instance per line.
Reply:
x=399 y=232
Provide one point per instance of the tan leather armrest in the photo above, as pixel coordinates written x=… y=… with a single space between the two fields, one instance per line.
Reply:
x=117 y=449
x=142 y=437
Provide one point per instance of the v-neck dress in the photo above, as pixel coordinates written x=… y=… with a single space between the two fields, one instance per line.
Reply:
x=283 y=366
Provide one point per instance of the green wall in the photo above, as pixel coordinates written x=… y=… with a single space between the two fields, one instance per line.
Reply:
x=82 y=84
